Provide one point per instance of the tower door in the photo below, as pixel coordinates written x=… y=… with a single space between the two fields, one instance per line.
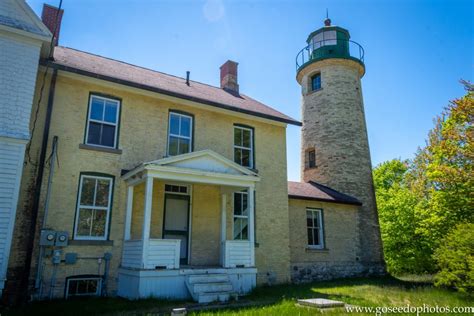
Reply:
x=176 y=222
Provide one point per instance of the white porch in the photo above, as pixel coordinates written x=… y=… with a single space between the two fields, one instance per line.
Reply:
x=178 y=224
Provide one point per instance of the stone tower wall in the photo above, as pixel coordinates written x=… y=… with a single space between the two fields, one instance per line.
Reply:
x=334 y=125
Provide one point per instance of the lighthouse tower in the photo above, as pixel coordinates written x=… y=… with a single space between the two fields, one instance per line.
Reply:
x=334 y=143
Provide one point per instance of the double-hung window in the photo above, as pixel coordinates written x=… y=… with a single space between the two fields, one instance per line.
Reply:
x=102 y=122
x=241 y=216
x=243 y=146
x=180 y=132
x=314 y=223
x=93 y=207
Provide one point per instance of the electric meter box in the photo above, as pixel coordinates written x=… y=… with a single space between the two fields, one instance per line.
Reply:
x=47 y=237
x=61 y=239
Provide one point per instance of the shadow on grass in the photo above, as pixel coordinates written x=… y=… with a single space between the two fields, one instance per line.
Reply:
x=94 y=306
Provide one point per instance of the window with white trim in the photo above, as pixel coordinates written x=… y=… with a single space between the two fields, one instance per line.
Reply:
x=102 y=122
x=93 y=207
x=240 y=216
x=243 y=146
x=314 y=223
x=83 y=286
x=180 y=134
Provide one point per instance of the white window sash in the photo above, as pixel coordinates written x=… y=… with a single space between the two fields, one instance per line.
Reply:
x=316 y=213
x=80 y=206
x=239 y=216
x=102 y=122
x=89 y=120
x=243 y=147
x=190 y=137
x=179 y=136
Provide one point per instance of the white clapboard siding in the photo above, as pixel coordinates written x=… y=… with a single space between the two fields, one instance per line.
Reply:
x=11 y=166
x=237 y=253
x=163 y=253
x=132 y=254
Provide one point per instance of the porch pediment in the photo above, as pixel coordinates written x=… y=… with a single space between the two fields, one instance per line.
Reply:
x=204 y=166
x=204 y=160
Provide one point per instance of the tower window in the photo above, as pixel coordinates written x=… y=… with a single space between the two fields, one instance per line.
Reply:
x=316 y=82
x=311 y=156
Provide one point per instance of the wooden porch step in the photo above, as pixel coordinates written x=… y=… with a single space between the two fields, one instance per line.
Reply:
x=214 y=297
x=208 y=278
x=207 y=288
x=214 y=287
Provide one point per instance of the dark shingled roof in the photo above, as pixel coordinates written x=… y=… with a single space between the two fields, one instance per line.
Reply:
x=318 y=192
x=87 y=64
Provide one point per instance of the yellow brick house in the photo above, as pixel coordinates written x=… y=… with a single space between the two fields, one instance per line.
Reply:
x=150 y=184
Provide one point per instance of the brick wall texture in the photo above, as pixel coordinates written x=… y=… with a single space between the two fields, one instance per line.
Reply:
x=143 y=137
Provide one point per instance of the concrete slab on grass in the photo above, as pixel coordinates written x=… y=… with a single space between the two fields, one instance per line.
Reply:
x=320 y=303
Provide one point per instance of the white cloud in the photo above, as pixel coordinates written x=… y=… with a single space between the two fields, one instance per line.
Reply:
x=213 y=10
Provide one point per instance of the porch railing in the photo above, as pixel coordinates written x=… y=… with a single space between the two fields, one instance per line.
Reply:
x=332 y=48
x=238 y=253
x=155 y=253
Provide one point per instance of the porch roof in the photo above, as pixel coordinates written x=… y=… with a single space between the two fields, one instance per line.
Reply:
x=205 y=166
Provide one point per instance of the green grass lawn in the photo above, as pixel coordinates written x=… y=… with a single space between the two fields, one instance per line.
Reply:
x=277 y=300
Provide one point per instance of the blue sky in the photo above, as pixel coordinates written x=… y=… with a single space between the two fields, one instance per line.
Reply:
x=415 y=52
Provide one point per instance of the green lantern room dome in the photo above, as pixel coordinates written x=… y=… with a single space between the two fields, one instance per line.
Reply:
x=329 y=42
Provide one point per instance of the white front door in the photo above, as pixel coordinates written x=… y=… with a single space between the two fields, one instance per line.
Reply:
x=176 y=221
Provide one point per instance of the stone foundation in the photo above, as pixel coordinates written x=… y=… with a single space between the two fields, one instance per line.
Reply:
x=322 y=271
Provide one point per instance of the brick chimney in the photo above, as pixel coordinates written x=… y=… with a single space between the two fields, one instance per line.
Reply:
x=229 y=76
x=50 y=16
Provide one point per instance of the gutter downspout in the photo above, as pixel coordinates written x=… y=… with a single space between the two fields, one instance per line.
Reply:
x=24 y=284
x=39 y=268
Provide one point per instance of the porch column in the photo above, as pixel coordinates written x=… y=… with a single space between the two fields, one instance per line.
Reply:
x=128 y=214
x=147 y=218
x=223 y=225
x=251 y=207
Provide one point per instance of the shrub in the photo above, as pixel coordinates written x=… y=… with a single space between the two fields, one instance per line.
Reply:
x=455 y=259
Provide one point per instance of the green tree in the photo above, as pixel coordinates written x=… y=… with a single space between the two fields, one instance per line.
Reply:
x=455 y=259
x=404 y=248
x=421 y=201
x=442 y=174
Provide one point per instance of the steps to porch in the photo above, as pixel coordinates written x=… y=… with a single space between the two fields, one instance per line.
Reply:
x=207 y=288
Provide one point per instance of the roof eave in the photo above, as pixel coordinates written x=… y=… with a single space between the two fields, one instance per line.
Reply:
x=165 y=92
x=310 y=198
